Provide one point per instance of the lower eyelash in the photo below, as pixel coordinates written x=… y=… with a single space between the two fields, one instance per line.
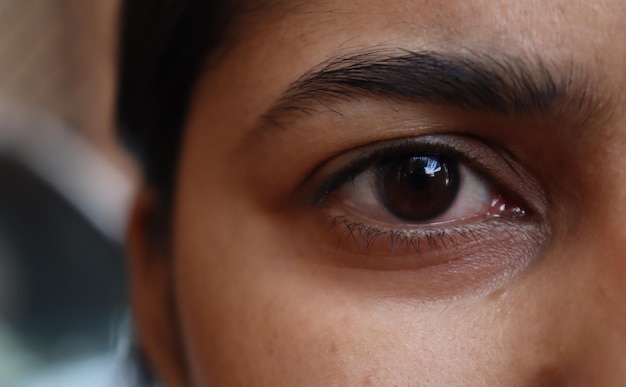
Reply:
x=440 y=241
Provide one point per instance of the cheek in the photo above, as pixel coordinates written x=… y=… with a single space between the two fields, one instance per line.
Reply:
x=256 y=307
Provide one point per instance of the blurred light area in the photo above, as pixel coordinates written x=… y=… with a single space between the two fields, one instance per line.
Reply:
x=65 y=189
x=69 y=163
x=93 y=372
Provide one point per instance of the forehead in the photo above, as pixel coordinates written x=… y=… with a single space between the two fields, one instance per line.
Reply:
x=275 y=42
x=442 y=22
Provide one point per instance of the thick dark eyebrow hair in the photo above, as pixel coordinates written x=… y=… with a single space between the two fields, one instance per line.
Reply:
x=491 y=82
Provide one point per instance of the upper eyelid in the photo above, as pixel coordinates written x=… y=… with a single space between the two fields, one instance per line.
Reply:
x=367 y=161
x=370 y=155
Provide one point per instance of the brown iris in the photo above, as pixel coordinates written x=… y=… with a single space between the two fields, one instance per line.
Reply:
x=418 y=188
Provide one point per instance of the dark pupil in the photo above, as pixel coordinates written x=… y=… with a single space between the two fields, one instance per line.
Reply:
x=419 y=188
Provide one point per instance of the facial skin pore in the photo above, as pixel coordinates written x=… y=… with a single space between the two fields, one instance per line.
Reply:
x=278 y=282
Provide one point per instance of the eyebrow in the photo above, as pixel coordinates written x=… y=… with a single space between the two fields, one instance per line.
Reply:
x=497 y=83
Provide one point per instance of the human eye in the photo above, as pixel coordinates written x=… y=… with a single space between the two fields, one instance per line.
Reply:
x=429 y=199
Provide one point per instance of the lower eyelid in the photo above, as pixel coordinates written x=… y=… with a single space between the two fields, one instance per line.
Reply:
x=443 y=261
x=475 y=259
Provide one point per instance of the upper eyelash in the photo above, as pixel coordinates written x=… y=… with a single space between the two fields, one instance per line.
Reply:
x=367 y=160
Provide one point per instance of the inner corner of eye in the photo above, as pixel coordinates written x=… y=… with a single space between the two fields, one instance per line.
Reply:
x=506 y=208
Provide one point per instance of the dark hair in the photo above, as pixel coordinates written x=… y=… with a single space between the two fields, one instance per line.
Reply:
x=162 y=46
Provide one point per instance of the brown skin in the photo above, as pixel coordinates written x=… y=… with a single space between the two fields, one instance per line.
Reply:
x=267 y=293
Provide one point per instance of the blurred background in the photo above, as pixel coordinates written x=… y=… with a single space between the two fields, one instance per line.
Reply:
x=65 y=188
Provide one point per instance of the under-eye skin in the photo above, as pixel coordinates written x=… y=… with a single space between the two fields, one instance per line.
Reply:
x=427 y=200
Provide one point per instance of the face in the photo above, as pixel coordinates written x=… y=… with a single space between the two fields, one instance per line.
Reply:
x=407 y=192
